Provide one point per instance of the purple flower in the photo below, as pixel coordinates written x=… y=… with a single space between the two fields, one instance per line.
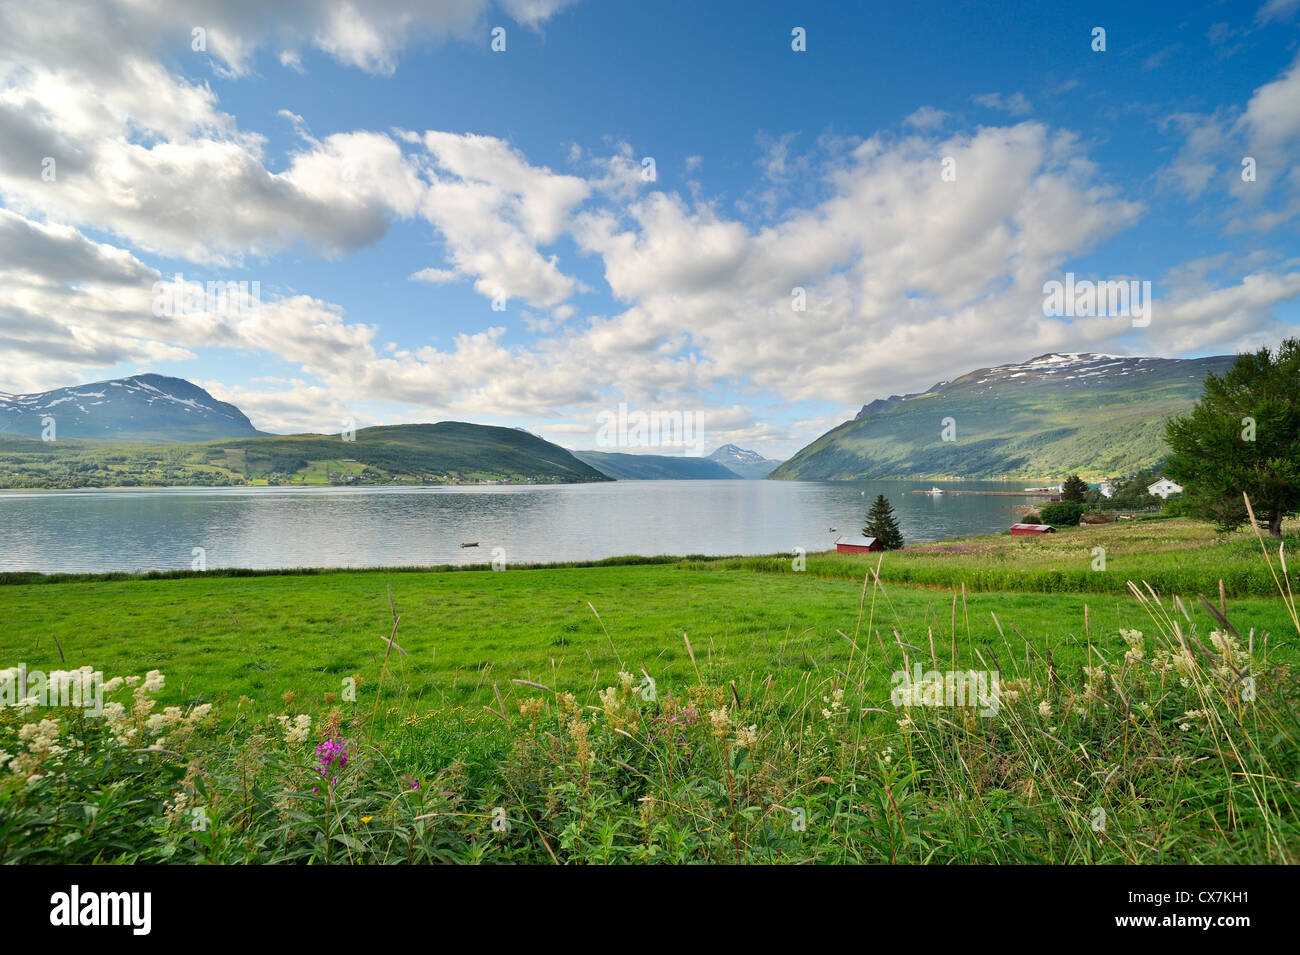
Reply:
x=332 y=753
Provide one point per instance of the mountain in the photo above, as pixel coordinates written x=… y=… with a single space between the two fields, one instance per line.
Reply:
x=748 y=464
x=654 y=467
x=449 y=452
x=139 y=408
x=1054 y=415
x=884 y=404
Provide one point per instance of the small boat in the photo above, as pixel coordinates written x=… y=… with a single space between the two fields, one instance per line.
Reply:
x=472 y=544
x=934 y=490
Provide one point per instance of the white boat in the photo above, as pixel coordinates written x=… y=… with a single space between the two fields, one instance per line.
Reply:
x=934 y=491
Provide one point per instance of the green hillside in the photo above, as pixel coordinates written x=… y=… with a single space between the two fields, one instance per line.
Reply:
x=655 y=467
x=1094 y=415
x=449 y=452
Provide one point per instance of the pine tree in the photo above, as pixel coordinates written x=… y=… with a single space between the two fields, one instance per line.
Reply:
x=1074 y=489
x=882 y=526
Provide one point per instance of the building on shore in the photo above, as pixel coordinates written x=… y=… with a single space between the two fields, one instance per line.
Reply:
x=857 y=544
x=1164 y=487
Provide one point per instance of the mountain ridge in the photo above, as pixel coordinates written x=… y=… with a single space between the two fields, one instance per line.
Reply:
x=146 y=407
x=627 y=466
x=1055 y=414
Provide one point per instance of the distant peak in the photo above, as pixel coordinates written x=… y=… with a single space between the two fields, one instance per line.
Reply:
x=1056 y=357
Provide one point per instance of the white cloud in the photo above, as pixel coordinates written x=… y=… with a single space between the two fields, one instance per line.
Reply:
x=494 y=210
x=146 y=154
x=1263 y=133
x=926 y=118
x=1016 y=104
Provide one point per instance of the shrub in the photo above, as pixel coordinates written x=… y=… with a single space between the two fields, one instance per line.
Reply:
x=1062 y=513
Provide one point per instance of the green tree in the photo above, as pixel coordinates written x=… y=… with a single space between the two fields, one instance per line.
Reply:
x=881 y=524
x=1243 y=436
x=1061 y=513
x=1074 y=489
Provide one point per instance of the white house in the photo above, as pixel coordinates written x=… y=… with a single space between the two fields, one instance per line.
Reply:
x=1164 y=487
x=1106 y=488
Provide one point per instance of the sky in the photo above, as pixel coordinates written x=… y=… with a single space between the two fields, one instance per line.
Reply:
x=532 y=212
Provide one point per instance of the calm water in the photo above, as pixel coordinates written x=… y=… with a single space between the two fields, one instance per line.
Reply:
x=157 y=529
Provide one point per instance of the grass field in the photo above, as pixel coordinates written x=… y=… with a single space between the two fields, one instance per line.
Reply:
x=1172 y=555
x=770 y=733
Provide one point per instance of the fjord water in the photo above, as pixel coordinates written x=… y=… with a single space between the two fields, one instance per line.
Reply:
x=135 y=529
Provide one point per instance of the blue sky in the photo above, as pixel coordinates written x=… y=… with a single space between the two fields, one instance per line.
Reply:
x=334 y=153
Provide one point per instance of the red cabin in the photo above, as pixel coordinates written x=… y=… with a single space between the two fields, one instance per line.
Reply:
x=858 y=545
x=1024 y=530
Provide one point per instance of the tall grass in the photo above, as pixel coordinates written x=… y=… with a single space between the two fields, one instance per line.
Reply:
x=1174 y=556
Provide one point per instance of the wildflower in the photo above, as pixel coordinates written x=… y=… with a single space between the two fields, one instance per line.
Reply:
x=298 y=731
x=578 y=730
x=646 y=811
x=720 y=720
x=153 y=682
x=1136 y=650
x=835 y=703
x=887 y=754
x=1011 y=690
x=616 y=709
x=119 y=724
x=747 y=737
x=1045 y=709
x=174 y=811
x=1184 y=665
x=332 y=754
x=532 y=708
x=1233 y=656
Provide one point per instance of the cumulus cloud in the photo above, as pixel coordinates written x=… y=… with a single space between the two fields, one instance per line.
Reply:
x=1244 y=154
x=494 y=210
x=146 y=153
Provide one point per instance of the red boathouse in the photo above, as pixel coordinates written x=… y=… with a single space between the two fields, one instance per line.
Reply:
x=858 y=545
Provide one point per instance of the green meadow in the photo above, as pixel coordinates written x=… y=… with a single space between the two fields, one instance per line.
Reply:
x=769 y=733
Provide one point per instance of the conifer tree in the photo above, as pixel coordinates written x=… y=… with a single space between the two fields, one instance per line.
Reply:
x=882 y=526
x=1074 y=489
